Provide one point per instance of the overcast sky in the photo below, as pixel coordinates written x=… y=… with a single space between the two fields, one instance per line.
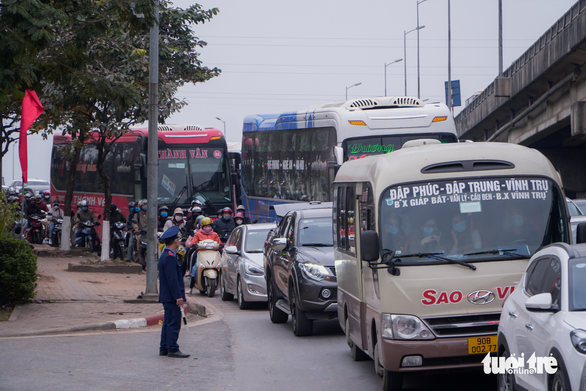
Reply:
x=281 y=56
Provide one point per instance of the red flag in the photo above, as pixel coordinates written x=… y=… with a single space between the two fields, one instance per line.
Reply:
x=31 y=109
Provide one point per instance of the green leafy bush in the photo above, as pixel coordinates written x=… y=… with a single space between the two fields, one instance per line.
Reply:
x=18 y=270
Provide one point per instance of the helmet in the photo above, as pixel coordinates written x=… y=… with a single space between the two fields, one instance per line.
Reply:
x=239 y=215
x=39 y=198
x=240 y=207
x=113 y=207
x=198 y=219
x=196 y=209
x=142 y=202
x=55 y=202
x=196 y=202
x=83 y=203
x=47 y=193
x=163 y=208
x=206 y=221
x=178 y=211
x=227 y=210
x=130 y=205
x=27 y=195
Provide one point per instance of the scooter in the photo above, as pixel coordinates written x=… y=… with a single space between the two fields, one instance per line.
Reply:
x=34 y=233
x=88 y=233
x=56 y=237
x=208 y=267
x=118 y=240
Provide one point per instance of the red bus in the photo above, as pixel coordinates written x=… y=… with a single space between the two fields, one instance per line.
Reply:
x=193 y=164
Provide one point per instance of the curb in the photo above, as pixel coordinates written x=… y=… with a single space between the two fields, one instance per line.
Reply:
x=121 y=324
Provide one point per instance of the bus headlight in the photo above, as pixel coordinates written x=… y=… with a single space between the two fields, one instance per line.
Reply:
x=404 y=327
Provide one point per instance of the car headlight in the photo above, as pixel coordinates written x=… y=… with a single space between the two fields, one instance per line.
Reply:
x=314 y=271
x=578 y=337
x=404 y=327
x=253 y=270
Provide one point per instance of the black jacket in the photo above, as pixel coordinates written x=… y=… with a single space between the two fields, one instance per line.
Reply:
x=223 y=228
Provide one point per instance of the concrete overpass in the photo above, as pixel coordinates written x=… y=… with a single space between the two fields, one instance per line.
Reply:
x=540 y=101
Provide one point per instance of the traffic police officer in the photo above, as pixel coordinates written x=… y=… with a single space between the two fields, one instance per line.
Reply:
x=171 y=294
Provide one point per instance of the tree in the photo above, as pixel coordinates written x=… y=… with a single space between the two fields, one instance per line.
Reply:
x=24 y=31
x=110 y=93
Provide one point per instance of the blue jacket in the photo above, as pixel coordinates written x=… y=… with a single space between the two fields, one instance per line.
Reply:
x=171 y=286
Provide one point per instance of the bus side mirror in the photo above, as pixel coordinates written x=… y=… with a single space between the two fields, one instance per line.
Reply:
x=369 y=246
x=581 y=233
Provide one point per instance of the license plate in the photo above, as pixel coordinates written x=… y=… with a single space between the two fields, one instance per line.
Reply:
x=482 y=345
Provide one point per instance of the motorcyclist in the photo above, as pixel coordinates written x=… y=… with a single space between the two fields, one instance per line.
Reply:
x=177 y=220
x=42 y=205
x=190 y=226
x=56 y=213
x=162 y=219
x=206 y=232
x=31 y=207
x=239 y=218
x=84 y=213
x=224 y=226
x=242 y=209
x=47 y=197
x=116 y=215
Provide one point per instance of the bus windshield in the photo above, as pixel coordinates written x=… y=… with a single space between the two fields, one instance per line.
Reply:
x=357 y=148
x=185 y=172
x=471 y=220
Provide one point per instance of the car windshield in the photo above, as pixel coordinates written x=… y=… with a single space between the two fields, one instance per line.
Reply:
x=316 y=232
x=576 y=287
x=255 y=240
x=471 y=220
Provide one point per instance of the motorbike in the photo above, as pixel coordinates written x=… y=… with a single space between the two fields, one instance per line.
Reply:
x=207 y=274
x=88 y=233
x=34 y=232
x=118 y=240
x=56 y=237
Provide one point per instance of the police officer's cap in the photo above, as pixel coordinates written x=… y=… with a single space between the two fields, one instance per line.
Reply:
x=170 y=233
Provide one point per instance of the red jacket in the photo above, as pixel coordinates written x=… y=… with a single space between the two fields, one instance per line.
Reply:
x=200 y=235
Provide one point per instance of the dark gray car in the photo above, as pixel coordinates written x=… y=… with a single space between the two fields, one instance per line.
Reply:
x=299 y=268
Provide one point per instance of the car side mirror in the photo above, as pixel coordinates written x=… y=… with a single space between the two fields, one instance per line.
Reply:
x=539 y=303
x=369 y=246
x=232 y=250
x=279 y=244
x=581 y=233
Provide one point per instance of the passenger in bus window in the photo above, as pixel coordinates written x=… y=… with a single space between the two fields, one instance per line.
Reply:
x=428 y=238
x=464 y=239
x=518 y=230
x=395 y=238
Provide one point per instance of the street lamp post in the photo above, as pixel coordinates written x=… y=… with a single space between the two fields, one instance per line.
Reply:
x=450 y=105
x=220 y=119
x=386 y=65
x=418 y=79
x=405 y=51
x=347 y=88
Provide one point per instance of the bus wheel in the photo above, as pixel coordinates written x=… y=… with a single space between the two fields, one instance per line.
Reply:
x=356 y=353
x=390 y=381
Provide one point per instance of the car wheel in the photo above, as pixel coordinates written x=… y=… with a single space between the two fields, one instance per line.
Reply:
x=276 y=315
x=242 y=304
x=301 y=325
x=225 y=295
x=390 y=381
x=356 y=353
x=505 y=381
x=560 y=380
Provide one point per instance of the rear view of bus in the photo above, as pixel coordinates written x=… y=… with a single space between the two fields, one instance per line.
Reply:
x=429 y=241
x=293 y=156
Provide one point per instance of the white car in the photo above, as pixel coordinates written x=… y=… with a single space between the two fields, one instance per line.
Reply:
x=545 y=317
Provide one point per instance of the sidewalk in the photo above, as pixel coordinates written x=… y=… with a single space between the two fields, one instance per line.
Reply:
x=73 y=301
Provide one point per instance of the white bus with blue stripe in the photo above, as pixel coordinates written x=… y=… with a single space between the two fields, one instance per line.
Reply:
x=293 y=156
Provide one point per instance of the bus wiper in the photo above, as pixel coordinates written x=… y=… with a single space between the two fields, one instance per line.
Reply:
x=439 y=257
x=499 y=252
x=316 y=245
x=178 y=197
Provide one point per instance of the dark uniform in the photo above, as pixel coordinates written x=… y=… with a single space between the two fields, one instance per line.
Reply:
x=171 y=288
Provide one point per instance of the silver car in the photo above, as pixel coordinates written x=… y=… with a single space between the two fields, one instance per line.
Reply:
x=242 y=265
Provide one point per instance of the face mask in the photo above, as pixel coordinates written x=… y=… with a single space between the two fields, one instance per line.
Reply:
x=84 y=208
x=226 y=217
x=517 y=220
x=178 y=218
x=393 y=230
x=144 y=208
x=460 y=227
x=207 y=229
x=163 y=214
x=429 y=231
x=238 y=222
x=56 y=207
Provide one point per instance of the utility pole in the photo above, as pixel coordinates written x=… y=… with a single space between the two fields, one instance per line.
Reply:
x=500 y=37
x=153 y=162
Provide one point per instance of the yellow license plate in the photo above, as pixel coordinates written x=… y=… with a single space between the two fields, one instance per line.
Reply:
x=482 y=345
